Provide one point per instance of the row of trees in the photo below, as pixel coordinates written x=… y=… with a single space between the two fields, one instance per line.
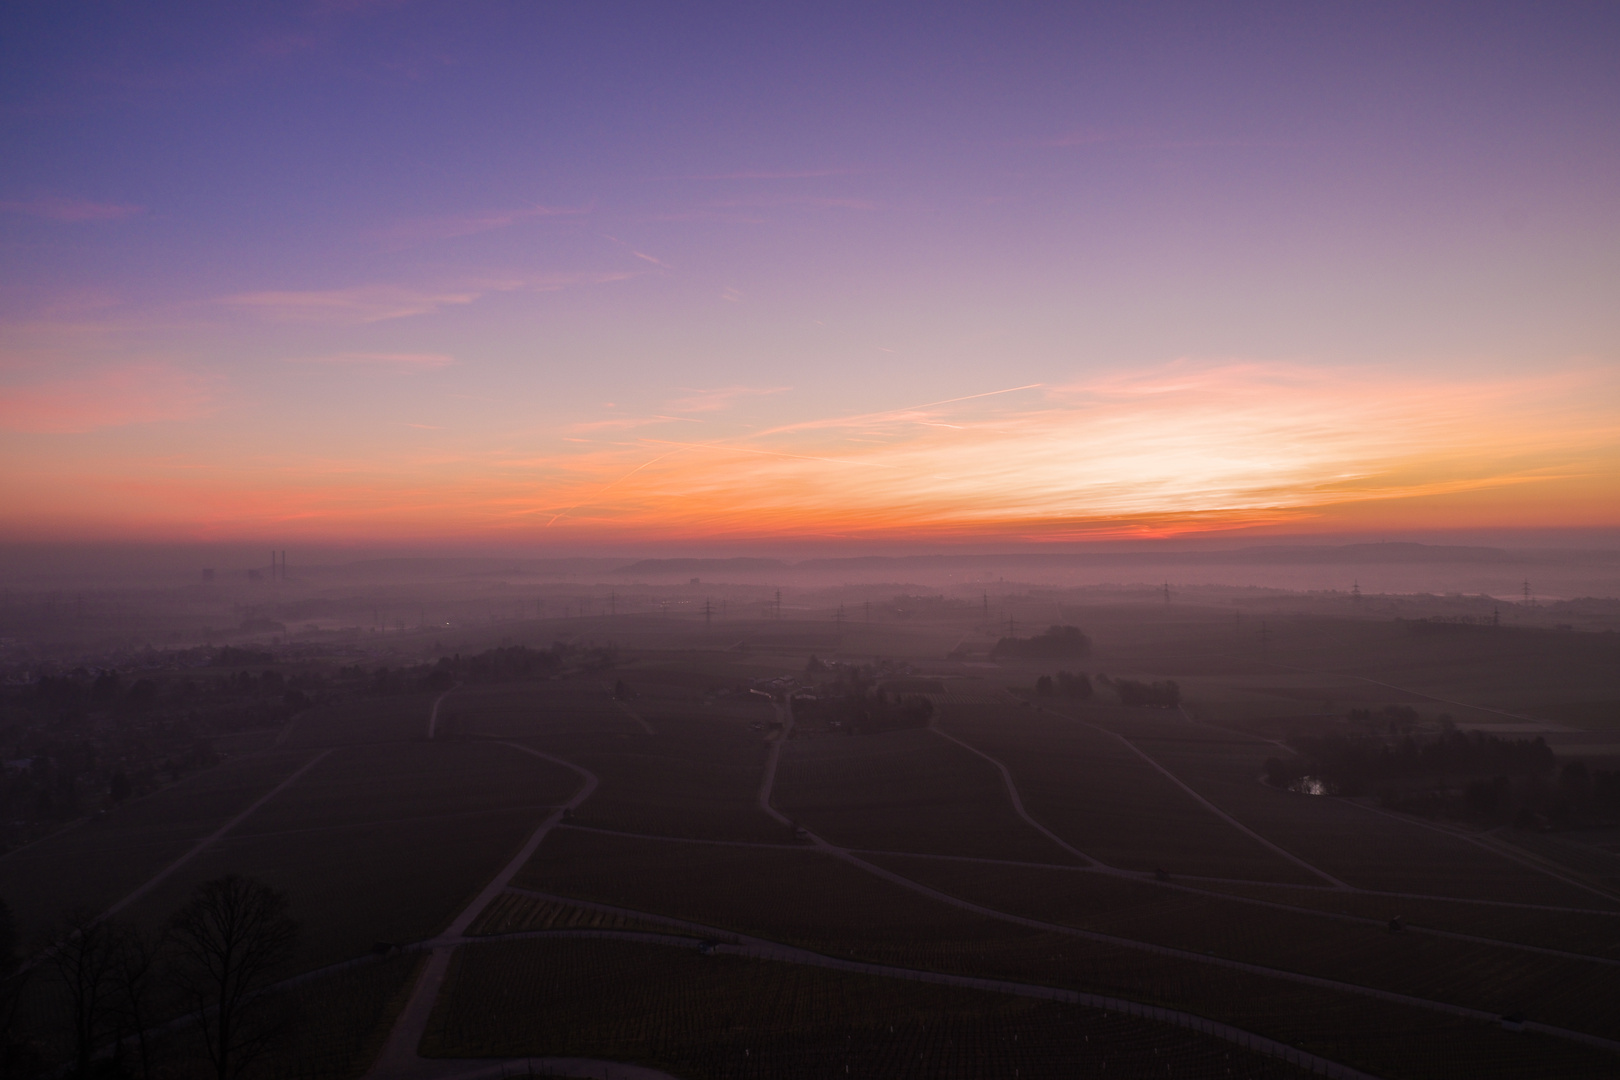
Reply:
x=1065 y=684
x=1356 y=764
x=1156 y=695
x=1054 y=643
x=1578 y=796
x=852 y=700
x=120 y=989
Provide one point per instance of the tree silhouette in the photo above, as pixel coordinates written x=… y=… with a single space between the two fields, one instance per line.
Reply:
x=82 y=959
x=229 y=940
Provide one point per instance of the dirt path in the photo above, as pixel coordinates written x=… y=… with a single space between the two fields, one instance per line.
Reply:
x=399 y=1057
x=1526 y=859
x=730 y=943
x=848 y=855
x=1205 y=803
x=637 y=717
x=433 y=717
x=1017 y=801
x=212 y=838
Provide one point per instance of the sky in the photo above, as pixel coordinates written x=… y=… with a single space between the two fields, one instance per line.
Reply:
x=591 y=277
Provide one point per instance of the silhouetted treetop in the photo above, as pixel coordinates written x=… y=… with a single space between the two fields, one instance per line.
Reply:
x=1055 y=643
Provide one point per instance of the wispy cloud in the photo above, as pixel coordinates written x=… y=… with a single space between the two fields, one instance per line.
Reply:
x=420 y=361
x=1185 y=446
x=721 y=397
x=1155 y=140
x=113 y=396
x=360 y=304
x=449 y=227
x=56 y=208
x=768 y=174
x=818 y=201
x=380 y=303
x=628 y=423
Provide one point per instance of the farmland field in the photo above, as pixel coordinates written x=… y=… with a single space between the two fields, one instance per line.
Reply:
x=906 y=791
x=722 y=1016
x=556 y=847
x=1108 y=803
x=346 y=841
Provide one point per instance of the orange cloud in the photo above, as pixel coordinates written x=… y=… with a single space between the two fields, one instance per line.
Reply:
x=1184 y=448
x=721 y=397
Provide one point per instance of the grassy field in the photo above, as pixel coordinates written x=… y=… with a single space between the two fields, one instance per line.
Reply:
x=514 y=913
x=723 y=1016
x=98 y=862
x=341 y=1021
x=1366 y=849
x=518 y=710
x=905 y=791
x=1568 y=993
x=777 y=899
x=391 y=834
x=1105 y=801
x=381 y=843
x=385 y=718
x=694 y=776
x=1570 y=931
x=793 y=895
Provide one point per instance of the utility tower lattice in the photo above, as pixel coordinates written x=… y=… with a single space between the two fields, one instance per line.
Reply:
x=708 y=613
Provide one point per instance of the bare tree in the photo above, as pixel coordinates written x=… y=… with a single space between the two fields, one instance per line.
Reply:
x=228 y=941
x=18 y=1056
x=82 y=959
x=135 y=978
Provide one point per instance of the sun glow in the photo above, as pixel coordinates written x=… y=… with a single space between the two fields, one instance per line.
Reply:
x=1185 y=448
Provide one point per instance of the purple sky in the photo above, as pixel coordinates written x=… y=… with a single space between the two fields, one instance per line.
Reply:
x=468 y=269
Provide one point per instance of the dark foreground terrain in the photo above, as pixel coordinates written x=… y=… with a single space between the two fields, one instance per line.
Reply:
x=827 y=847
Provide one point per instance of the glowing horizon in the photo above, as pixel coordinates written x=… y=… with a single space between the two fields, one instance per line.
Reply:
x=1185 y=448
x=357 y=276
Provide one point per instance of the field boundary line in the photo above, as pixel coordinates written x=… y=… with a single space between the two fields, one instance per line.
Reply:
x=1276 y=905
x=503 y=878
x=1017 y=801
x=1527 y=860
x=1418 y=693
x=1211 y=807
x=399 y=1056
x=1202 y=958
x=433 y=716
x=1413 y=928
x=1418 y=896
x=752 y=948
x=784 y=715
x=637 y=717
x=1096 y=868
x=212 y=838
x=1140 y=878
x=1465 y=1011
x=458 y=815
x=1128 y=943
x=684 y=839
